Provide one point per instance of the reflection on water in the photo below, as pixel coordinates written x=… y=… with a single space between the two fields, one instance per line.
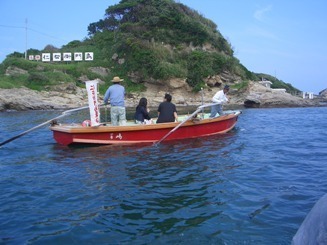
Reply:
x=161 y=190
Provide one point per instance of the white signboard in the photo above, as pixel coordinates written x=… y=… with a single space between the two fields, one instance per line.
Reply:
x=67 y=56
x=91 y=87
x=88 y=56
x=78 y=56
x=46 y=57
x=56 y=56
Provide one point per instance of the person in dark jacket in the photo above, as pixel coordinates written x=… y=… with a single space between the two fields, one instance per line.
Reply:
x=142 y=112
x=167 y=111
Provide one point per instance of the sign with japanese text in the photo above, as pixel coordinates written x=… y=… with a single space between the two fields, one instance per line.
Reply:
x=78 y=56
x=89 y=56
x=67 y=56
x=56 y=56
x=46 y=57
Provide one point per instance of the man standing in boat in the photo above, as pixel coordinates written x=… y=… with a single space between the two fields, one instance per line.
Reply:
x=116 y=95
x=220 y=98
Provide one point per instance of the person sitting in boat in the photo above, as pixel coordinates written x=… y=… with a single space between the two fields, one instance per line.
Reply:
x=220 y=98
x=167 y=111
x=116 y=93
x=141 y=115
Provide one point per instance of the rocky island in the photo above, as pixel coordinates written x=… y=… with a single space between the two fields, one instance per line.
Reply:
x=157 y=47
x=69 y=95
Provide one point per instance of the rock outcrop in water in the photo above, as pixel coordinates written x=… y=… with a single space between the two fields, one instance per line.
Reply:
x=71 y=96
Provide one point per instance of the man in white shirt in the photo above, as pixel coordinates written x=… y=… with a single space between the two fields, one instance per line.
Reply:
x=220 y=98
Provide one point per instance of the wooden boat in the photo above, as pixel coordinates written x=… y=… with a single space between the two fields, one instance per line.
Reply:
x=190 y=127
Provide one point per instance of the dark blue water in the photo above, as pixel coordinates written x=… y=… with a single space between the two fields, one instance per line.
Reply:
x=254 y=185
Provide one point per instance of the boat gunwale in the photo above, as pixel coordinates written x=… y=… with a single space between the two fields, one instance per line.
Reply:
x=78 y=128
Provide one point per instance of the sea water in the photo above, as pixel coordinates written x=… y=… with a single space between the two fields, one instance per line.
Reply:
x=253 y=185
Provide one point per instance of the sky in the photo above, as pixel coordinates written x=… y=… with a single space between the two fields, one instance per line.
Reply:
x=283 y=38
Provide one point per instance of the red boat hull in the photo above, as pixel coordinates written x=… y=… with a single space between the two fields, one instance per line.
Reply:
x=77 y=134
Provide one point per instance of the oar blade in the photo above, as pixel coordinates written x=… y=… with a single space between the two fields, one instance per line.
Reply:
x=65 y=113
x=11 y=139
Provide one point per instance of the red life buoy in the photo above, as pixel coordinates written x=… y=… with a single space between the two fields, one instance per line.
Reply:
x=86 y=123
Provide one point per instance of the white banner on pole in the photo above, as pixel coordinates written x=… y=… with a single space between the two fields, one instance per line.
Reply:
x=91 y=87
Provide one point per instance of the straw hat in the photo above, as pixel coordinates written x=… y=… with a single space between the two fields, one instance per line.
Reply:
x=117 y=80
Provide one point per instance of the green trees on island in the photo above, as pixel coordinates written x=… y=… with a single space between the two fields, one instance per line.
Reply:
x=155 y=39
x=164 y=39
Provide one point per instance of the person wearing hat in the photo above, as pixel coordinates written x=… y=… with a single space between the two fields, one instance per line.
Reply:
x=116 y=94
x=220 y=98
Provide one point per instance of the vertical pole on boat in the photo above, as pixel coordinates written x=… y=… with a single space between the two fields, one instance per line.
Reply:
x=202 y=103
x=91 y=87
x=26 y=39
x=105 y=113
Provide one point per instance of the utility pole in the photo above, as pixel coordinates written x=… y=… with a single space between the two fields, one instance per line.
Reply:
x=26 y=39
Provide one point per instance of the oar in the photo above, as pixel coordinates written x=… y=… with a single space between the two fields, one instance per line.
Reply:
x=185 y=120
x=65 y=113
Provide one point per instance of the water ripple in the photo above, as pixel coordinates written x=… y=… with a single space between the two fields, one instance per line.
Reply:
x=244 y=187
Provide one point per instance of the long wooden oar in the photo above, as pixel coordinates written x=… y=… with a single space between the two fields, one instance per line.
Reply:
x=65 y=113
x=184 y=121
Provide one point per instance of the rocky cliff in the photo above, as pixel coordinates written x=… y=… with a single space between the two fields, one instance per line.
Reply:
x=71 y=96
